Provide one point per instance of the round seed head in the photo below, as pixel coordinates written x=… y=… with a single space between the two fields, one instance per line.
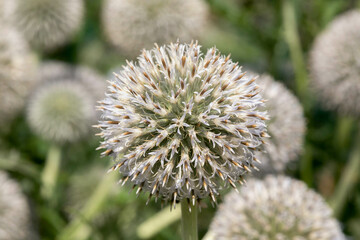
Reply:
x=17 y=73
x=132 y=25
x=275 y=208
x=286 y=126
x=61 y=111
x=15 y=213
x=179 y=123
x=335 y=64
x=48 y=24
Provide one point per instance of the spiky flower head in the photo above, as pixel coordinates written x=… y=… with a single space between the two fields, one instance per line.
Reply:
x=179 y=123
x=17 y=73
x=15 y=214
x=132 y=25
x=286 y=126
x=48 y=24
x=277 y=207
x=335 y=64
x=61 y=111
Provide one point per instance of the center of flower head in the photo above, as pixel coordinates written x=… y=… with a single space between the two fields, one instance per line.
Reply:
x=183 y=122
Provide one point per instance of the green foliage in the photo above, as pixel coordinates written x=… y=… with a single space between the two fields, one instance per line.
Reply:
x=257 y=35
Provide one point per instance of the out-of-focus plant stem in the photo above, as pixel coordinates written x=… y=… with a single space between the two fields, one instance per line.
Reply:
x=189 y=220
x=306 y=169
x=343 y=131
x=292 y=38
x=50 y=173
x=291 y=34
x=78 y=229
x=348 y=179
x=158 y=222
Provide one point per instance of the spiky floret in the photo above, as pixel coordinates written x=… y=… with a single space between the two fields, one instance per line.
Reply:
x=15 y=214
x=48 y=24
x=286 y=126
x=277 y=207
x=178 y=122
x=61 y=111
x=132 y=25
x=335 y=64
x=17 y=73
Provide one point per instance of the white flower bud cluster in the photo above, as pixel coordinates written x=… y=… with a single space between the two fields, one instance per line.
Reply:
x=335 y=64
x=277 y=207
x=132 y=25
x=179 y=123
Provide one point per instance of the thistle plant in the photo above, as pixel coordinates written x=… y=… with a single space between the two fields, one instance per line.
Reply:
x=48 y=24
x=61 y=111
x=335 y=63
x=277 y=207
x=179 y=124
x=131 y=25
x=335 y=70
x=16 y=222
x=17 y=73
x=286 y=126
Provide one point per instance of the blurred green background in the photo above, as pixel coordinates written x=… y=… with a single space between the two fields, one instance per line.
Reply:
x=266 y=36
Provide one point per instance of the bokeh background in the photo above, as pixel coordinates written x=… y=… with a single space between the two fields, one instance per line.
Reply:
x=83 y=202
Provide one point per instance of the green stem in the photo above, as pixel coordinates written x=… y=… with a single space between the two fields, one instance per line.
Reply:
x=158 y=222
x=293 y=40
x=348 y=179
x=306 y=170
x=189 y=220
x=78 y=229
x=343 y=131
x=50 y=173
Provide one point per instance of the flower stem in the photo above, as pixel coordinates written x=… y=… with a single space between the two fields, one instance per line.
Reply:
x=293 y=40
x=50 y=173
x=78 y=228
x=348 y=179
x=189 y=220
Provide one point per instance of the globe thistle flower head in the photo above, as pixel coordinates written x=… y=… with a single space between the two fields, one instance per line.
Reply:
x=286 y=126
x=180 y=123
x=335 y=64
x=132 y=25
x=17 y=73
x=61 y=111
x=277 y=207
x=48 y=24
x=15 y=213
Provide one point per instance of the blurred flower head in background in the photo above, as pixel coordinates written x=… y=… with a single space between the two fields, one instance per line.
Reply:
x=335 y=64
x=17 y=73
x=92 y=81
x=183 y=121
x=16 y=222
x=275 y=208
x=47 y=24
x=61 y=111
x=286 y=126
x=132 y=25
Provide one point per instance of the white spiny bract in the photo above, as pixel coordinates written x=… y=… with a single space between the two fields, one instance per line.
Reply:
x=335 y=64
x=48 y=24
x=277 y=207
x=179 y=123
x=132 y=25
x=286 y=126
x=16 y=222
